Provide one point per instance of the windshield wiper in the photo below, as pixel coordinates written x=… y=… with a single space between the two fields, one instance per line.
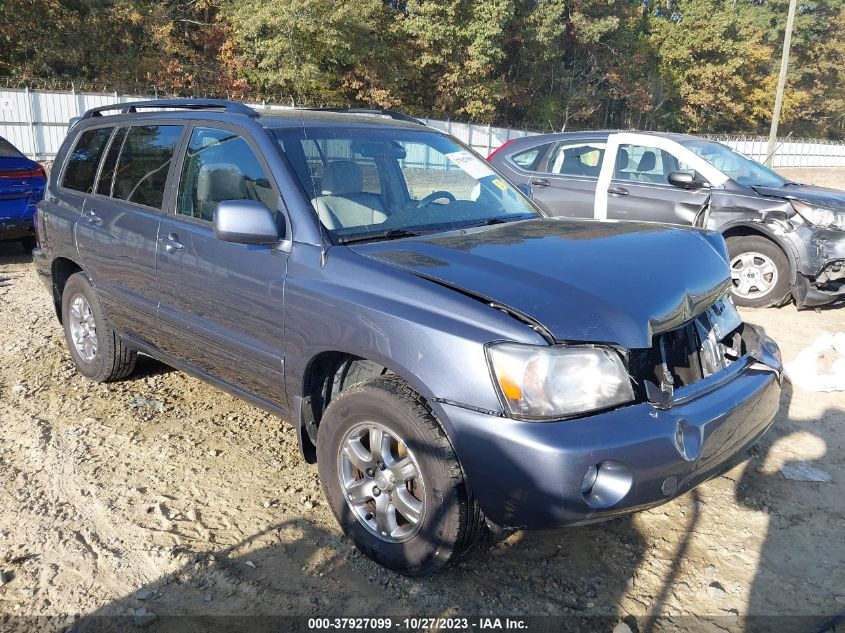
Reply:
x=499 y=219
x=392 y=234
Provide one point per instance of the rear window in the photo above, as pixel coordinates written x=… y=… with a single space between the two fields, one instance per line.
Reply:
x=141 y=172
x=7 y=150
x=83 y=161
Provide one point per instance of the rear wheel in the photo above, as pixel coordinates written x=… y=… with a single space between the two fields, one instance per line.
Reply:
x=759 y=271
x=95 y=348
x=392 y=479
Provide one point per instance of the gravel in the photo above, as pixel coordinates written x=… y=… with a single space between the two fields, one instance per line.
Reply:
x=101 y=502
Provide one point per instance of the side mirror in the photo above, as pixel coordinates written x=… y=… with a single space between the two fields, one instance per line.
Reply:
x=685 y=180
x=245 y=222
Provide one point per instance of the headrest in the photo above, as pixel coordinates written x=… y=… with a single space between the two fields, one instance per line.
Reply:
x=342 y=177
x=647 y=162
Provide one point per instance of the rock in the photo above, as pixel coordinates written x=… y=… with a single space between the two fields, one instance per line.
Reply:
x=144 y=594
x=249 y=563
x=804 y=471
x=716 y=590
x=710 y=572
x=622 y=628
x=143 y=618
x=142 y=402
x=309 y=505
x=5 y=578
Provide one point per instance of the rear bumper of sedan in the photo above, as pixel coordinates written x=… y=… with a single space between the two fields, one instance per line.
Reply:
x=540 y=475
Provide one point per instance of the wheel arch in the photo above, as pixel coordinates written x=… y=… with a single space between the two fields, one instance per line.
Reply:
x=60 y=271
x=740 y=229
x=326 y=375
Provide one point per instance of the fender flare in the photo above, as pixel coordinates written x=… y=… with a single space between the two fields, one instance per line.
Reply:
x=765 y=229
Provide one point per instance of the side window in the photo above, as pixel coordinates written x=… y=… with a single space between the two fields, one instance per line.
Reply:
x=220 y=165
x=141 y=172
x=577 y=159
x=528 y=159
x=84 y=159
x=104 y=182
x=640 y=163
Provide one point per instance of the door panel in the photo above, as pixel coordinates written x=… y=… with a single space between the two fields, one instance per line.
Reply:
x=566 y=182
x=221 y=306
x=640 y=188
x=220 y=303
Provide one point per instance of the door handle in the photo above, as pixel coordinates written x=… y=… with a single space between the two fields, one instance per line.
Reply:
x=540 y=182
x=92 y=218
x=617 y=191
x=171 y=243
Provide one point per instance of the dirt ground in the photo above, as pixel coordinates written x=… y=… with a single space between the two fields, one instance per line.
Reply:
x=827 y=177
x=160 y=495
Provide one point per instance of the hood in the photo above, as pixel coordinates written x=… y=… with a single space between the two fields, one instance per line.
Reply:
x=582 y=280
x=811 y=194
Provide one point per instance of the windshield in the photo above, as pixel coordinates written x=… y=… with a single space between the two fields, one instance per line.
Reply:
x=734 y=165
x=367 y=183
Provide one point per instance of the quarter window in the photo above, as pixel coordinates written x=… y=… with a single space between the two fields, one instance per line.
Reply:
x=83 y=161
x=220 y=165
x=528 y=159
x=141 y=173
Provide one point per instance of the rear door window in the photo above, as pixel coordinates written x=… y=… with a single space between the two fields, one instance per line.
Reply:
x=141 y=173
x=83 y=161
x=104 y=181
x=582 y=158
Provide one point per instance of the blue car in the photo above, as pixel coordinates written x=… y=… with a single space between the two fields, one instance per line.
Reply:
x=21 y=187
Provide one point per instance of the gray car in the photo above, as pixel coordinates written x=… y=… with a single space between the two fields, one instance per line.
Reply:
x=449 y=356
x=786 y=240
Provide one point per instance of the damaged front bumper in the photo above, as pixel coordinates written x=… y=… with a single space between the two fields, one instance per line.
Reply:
x=820 y=275
x=540 y=475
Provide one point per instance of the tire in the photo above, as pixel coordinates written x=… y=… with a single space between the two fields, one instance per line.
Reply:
x=105 y=360
x=28 y=243
x=760 y=272
x=449 y=519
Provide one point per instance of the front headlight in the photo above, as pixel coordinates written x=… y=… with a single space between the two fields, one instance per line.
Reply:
x=556 y=382
x=820 y=216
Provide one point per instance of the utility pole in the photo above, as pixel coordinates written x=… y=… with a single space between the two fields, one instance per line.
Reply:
x=784 y=64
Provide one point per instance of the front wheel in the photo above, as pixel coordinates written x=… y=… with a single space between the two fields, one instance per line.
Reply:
x=760 y=271
x=392 y=479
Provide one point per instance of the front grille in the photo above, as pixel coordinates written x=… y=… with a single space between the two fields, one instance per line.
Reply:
x=685 y=355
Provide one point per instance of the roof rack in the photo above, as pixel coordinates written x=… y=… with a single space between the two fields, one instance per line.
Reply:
x=383 y=112
x=178 y=104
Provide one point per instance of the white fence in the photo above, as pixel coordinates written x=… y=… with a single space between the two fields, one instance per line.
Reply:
x=36 y=122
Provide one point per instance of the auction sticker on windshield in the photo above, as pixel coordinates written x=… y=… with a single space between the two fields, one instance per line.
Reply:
x=470 y=164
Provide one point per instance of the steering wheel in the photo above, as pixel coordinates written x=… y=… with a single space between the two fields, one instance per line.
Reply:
x=436 y=195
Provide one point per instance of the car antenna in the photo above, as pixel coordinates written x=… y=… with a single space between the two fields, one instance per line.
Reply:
x=297 y=101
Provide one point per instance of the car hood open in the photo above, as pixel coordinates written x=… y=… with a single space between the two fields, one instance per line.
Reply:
x=811 y=194
x=581 y=280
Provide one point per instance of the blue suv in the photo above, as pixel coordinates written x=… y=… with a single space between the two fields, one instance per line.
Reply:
x=449 y=356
